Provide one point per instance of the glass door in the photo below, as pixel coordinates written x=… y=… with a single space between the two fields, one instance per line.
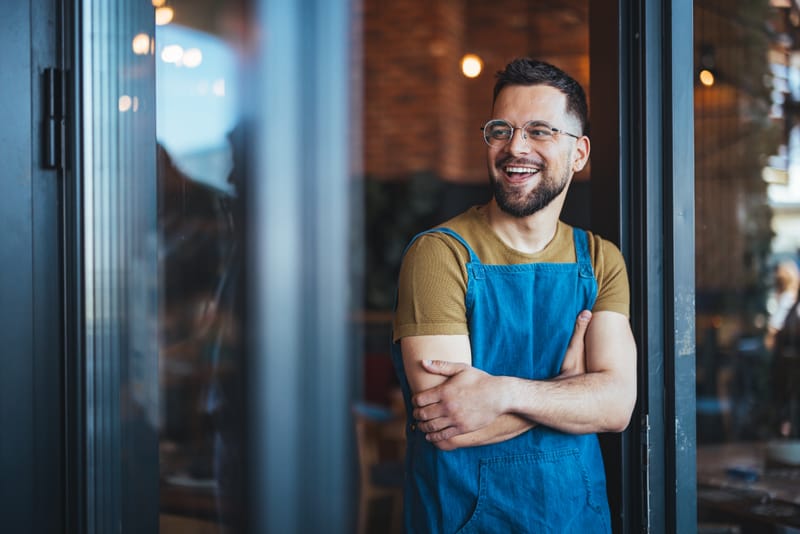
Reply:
x=747 y=89
x=116 y=365
x=212 y=260
x=204 y=67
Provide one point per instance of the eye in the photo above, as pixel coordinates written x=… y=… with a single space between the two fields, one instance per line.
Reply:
x=539 y=132
x=500 y=132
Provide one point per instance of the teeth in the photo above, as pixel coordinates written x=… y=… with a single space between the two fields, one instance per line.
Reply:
x=523 y=170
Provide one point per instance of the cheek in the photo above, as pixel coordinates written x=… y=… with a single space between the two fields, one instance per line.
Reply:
x=492 y=156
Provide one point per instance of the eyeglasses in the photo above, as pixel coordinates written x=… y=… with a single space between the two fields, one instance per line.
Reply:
x=498 y=132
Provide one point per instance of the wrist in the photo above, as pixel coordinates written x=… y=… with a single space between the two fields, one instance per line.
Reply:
x=519 y=394
x=506 y=394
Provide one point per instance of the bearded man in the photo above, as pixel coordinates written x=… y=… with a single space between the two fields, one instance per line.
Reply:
x=505 y=389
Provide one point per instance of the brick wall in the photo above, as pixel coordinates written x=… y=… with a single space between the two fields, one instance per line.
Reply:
x=733 y=137
x=421 y=115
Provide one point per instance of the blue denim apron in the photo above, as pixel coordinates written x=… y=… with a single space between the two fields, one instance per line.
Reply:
x=521 y=319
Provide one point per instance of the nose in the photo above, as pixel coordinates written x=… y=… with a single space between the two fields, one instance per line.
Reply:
x=518 y=144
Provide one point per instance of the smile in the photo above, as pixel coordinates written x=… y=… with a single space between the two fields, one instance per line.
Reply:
x=514 y=169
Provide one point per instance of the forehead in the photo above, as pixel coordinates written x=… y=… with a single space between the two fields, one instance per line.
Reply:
x=519 y=103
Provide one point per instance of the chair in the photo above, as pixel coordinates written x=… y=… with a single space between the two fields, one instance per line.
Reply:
x=378 y=477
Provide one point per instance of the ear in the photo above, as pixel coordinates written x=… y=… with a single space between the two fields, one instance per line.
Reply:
x=581 y=155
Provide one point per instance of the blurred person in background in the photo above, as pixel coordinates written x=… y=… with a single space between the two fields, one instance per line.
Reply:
x=787 y=283
x=786 y=370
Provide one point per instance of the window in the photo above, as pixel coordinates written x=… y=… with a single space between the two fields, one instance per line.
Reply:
x=747 y=242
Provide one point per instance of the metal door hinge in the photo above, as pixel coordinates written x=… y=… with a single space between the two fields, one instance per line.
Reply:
x=55 y=118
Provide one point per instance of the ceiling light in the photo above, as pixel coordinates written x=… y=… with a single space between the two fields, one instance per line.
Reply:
x=164 y=15
x=124 y=103
x=471 y=65
x=707 y=77
x=141 y=44
x=172 y=54
x=192 y=57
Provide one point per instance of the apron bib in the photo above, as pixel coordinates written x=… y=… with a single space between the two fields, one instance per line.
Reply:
x=520 y=321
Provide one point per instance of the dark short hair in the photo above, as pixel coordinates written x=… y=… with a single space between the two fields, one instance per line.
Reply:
x=527 y=71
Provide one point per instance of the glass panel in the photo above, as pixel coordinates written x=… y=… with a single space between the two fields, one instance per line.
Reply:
x=201 y=50
x=120 y=272
x=428 y=79
x=164 y=200
x=747 y=91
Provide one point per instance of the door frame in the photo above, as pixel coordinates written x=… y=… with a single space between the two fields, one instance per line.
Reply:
x=643 y=199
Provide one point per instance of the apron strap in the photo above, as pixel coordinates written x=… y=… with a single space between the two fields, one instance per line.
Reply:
x=582 y=252
x=472 y=256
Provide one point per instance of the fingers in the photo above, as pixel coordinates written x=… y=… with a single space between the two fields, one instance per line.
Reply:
x=581 y=323
x=427 y=412
x=578 y=333
x=444 y=368
x=442 y=435
x=574 y=359
x=434 y=425
x=439 y=367
x=437 y=429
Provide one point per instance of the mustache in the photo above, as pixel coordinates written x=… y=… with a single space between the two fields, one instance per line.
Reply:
x=520 y=161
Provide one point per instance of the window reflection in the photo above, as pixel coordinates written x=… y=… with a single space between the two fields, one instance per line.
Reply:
x=201 y=177
x=748 y=239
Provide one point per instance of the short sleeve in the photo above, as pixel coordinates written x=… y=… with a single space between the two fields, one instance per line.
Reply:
x=613 y=291
x=431 y=289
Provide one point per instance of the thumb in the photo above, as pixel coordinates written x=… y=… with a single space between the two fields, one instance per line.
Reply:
x=444 y=368
x=581 y=323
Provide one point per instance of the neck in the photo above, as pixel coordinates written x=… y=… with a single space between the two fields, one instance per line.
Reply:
x=526 y=234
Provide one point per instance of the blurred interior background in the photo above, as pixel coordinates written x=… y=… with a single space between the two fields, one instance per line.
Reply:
x=206 y=203
x=417 y=161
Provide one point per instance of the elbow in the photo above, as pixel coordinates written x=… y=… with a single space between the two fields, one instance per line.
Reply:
x=618 y=424
x=622 y=401
x=620 y=418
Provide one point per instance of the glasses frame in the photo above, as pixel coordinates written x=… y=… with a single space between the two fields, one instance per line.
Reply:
x=546 y=125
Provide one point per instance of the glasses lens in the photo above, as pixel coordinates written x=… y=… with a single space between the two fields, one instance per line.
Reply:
x=538 y=132
x=497 y=132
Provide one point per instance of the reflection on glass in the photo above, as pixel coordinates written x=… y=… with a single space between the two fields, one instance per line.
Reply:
x=748 y=239
x=201 y=169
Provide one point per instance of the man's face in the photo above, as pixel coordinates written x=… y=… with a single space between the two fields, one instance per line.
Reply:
x=528 y=174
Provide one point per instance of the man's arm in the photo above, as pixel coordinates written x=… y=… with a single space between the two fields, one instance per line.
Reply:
x=601 y=400
x=456 y=350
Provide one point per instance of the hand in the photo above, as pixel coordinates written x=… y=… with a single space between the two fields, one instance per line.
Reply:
x=468 y=400
x=575 y=358
x=471 y=399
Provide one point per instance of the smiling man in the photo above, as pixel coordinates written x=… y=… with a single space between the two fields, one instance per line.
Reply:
x=505 y=389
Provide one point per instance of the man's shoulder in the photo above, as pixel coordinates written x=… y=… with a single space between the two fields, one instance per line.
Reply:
x=436 y=245
x=466 y=225
x=463 y=223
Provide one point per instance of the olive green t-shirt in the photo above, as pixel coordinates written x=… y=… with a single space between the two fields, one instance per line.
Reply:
x=433 y=277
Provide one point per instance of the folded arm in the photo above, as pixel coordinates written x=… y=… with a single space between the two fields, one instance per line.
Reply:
x=489 y=424
x=600 y=400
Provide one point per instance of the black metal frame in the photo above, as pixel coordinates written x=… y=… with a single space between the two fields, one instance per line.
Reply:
x=30 y=390
x=643 y=198
x=74 y=412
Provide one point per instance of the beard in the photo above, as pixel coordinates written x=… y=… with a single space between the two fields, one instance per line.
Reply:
x=522 y=204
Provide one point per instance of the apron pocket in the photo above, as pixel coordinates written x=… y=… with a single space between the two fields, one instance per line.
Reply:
x=546 y=491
